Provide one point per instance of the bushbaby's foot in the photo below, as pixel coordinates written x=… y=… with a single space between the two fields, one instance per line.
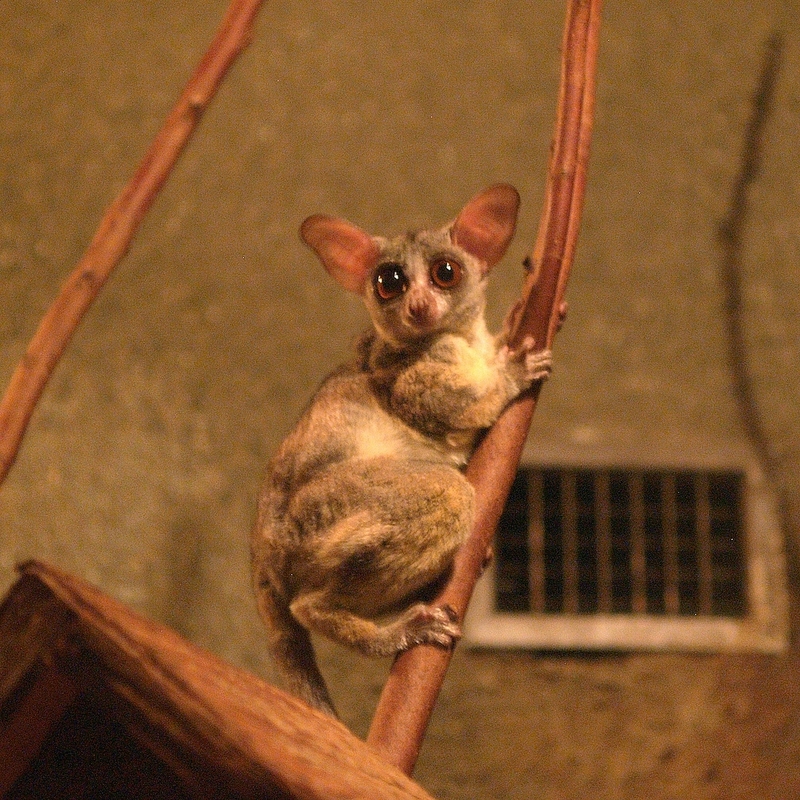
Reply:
x=423 y=624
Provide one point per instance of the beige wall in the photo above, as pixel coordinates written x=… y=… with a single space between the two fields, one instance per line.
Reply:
x=141 y=467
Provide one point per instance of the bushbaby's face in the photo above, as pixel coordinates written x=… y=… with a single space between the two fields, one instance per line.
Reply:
x=423 y=284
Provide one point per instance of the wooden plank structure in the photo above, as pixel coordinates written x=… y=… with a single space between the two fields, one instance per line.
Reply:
x=97 y=701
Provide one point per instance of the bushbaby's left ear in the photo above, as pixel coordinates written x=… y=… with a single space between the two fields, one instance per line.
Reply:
x=486 y=224
x=347 y=252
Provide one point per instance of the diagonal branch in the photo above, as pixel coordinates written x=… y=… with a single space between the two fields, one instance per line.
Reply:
x=410 y=693
x=116 y=231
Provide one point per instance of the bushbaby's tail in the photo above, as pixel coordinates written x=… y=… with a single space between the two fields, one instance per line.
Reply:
x=293 y=651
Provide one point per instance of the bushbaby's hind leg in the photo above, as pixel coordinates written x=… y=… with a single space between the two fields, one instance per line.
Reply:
x=419 y=624
x=377 y=531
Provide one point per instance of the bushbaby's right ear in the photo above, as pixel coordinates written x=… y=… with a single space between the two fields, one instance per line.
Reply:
x=486 y=224
x=347 y=252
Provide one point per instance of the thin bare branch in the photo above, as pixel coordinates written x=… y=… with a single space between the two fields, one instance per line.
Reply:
x=410 y=693
x=116 y=231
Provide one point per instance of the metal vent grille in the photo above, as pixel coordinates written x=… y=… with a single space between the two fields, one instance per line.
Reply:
x=664 y=543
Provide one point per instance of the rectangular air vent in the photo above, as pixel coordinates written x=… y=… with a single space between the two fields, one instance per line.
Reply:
x=617 y=558
x=578 y=541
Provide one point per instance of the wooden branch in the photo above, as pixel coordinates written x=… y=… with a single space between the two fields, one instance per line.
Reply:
x=410 y=693
x=117 y=229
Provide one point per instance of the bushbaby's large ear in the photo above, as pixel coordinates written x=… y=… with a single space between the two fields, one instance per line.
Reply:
x=347 y=252
x=486 y=224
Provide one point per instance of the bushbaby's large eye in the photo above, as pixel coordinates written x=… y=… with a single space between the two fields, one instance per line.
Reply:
x=390 y=281
x=446 y=273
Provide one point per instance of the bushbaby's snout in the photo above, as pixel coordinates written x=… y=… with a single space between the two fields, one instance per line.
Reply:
x=421 y=307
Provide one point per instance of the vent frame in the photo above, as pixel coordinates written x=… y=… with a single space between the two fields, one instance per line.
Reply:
x=762 y=626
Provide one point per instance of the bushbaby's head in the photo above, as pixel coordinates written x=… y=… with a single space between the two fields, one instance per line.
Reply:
x=425 y=282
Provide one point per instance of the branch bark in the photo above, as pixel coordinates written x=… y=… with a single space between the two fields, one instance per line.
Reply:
x=116 y=231
x=410 y=693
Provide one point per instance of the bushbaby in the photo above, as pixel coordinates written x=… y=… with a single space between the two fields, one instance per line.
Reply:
x=365 y=503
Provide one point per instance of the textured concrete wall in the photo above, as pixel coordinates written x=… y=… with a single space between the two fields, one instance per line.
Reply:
x=141 y=466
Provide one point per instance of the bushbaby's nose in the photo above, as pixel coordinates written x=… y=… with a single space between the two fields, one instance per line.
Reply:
x=420 y=305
